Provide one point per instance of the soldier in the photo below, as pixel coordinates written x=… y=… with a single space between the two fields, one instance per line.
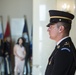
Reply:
x=62 y=61
x=1 y=55
x=7 y=55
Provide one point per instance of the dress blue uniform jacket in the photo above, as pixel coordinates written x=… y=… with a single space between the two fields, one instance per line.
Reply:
x=1 y=48
x=62 y=62
x=7 y=48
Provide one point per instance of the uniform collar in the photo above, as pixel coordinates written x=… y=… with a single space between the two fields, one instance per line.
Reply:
x=64 y=41
x=61 y=40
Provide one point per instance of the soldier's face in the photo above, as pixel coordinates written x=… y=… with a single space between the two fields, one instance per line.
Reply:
x=53 y=31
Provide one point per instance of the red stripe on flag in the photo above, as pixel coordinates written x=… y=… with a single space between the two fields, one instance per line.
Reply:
x=7 y=31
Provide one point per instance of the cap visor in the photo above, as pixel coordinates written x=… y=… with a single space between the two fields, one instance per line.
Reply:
x=51 y=23
x=48 y=25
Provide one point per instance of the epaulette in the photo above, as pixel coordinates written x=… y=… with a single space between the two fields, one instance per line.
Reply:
x=66 y=44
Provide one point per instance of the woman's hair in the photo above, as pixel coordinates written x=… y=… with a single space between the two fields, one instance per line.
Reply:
x=22 y=40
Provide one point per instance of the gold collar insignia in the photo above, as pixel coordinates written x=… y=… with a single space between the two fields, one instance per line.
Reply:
x=58 y=46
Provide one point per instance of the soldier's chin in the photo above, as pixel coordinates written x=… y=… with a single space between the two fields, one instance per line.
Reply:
x=51 y=37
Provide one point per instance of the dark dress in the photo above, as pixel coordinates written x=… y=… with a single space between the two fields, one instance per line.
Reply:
x=62 y=62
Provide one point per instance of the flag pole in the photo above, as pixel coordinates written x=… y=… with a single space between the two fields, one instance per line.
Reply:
x=25 y=23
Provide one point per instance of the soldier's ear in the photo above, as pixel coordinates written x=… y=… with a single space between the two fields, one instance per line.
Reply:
x=61 y=29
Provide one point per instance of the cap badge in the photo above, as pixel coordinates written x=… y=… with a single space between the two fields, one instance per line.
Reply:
x=59 y=19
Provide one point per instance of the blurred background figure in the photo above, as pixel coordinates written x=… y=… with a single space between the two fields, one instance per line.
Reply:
x=30 y=58
x=27 y=58
x=19 y=53
x=7 y=55
x=1 y=57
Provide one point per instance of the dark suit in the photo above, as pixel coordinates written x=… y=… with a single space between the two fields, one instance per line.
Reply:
x=62 y=62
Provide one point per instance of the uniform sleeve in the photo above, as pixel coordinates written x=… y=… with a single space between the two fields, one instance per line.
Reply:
x=62 y=62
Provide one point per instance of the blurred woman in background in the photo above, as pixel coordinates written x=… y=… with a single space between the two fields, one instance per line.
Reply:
x=19 y=53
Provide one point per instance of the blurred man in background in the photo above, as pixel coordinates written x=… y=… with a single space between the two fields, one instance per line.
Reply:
x=1 y=56
x=7 y=55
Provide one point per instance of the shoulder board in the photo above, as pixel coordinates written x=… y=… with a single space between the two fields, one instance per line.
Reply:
x=67 y=44
x=67 y=49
